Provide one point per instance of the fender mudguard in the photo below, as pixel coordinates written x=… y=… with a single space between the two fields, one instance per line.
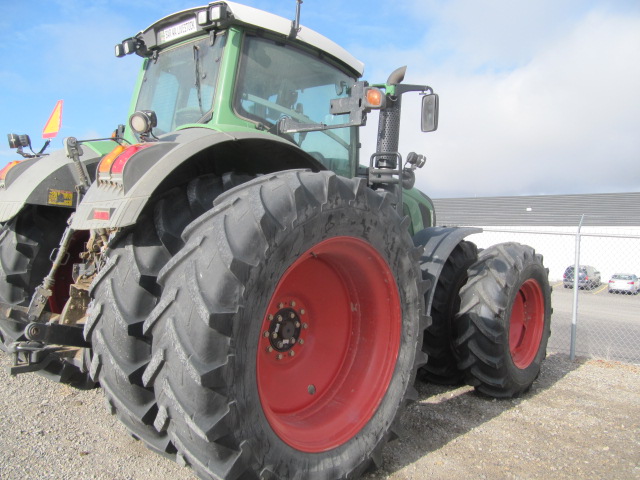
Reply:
x=175 y=159
x=438 y=243
x=47 y=180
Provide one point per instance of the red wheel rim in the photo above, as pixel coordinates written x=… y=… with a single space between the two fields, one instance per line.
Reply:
x=526 y=324
x=328 y=345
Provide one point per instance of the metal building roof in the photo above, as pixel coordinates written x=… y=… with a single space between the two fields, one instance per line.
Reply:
x=599 y=209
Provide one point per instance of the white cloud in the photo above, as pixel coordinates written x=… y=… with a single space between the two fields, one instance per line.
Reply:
x=564 y=119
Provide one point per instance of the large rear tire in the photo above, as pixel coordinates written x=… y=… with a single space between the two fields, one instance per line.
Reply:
x=290 y=332
x=504 y=321
x=124 y=294
x=439 y=337
x=26 y=244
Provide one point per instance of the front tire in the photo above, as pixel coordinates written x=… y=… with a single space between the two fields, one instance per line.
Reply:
x=504 y=320
x=292 y=329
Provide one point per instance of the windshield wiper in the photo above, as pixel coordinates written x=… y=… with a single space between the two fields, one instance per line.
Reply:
x=196 y=57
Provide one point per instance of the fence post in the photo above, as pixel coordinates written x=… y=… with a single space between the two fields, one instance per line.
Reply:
x=576 y=276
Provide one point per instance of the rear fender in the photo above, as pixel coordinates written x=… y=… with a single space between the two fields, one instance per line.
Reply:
x=47 y=180
x=439 y=242
x=179 y=157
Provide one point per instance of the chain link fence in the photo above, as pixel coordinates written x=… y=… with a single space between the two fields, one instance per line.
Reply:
x=606 y=324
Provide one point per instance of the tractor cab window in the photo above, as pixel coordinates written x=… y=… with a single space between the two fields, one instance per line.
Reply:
x=179 y=84
x=277 y=81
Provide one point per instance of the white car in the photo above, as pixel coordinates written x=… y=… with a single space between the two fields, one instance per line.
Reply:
x=624 y=283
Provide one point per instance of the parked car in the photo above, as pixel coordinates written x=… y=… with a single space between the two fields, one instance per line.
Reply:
x=624 y=283
x=588 y=277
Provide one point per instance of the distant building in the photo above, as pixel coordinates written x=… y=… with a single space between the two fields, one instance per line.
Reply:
x=599 y=209
x=610 y=233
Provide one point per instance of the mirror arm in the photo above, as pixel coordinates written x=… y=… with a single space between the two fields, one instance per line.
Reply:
x=401 y=89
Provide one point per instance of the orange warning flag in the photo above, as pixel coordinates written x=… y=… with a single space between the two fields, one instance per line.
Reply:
x=52 y=127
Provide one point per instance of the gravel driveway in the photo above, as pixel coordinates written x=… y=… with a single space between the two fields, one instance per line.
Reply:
x=580 y=420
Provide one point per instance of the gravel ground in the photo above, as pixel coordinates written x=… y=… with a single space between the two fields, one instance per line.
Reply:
x=580 y=420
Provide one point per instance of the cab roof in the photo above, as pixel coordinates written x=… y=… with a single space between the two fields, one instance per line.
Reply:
x=222 y=14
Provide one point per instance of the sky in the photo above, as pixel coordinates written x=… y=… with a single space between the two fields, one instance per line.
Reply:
x=536 y=97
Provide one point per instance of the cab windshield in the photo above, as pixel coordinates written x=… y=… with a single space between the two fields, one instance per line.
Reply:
x=278 y=80
x=179 y=84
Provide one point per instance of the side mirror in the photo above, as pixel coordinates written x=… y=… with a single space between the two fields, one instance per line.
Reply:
x=429 y=113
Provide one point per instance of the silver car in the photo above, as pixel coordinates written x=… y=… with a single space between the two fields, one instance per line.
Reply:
x=624 y=283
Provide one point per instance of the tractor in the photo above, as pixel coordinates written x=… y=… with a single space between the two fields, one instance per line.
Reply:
x=253 y=299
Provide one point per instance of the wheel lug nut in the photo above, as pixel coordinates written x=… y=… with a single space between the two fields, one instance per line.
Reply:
x=281 y=305
x=301 y=341
x=293 y=341
x=279 y=356
x=291 y=353
x=292 y=315
x=270 y=317
x=280 y=344
x=293 y=303
x=311 y=389
x=302 y=311
x=304 y=325
x=265 y=334
x=279 y=318
x=274 y=335
x=269 y=349
x=297 y=324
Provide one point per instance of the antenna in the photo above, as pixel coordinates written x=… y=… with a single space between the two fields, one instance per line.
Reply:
x=295 y=25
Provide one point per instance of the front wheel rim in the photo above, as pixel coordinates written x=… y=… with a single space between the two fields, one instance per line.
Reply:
x=526 y=323
x=329 y=344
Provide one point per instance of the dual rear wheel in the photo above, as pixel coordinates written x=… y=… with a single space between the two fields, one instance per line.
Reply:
x=491 y=319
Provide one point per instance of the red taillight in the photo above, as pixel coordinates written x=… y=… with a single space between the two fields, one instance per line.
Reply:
x=630 y=283
x=8 y=166
x=611 y=281
x=99 y=214
x=108 y=159
x=115 y=161
x=124 y=157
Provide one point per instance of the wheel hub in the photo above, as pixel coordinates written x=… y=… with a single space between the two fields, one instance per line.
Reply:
x=284 y=329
